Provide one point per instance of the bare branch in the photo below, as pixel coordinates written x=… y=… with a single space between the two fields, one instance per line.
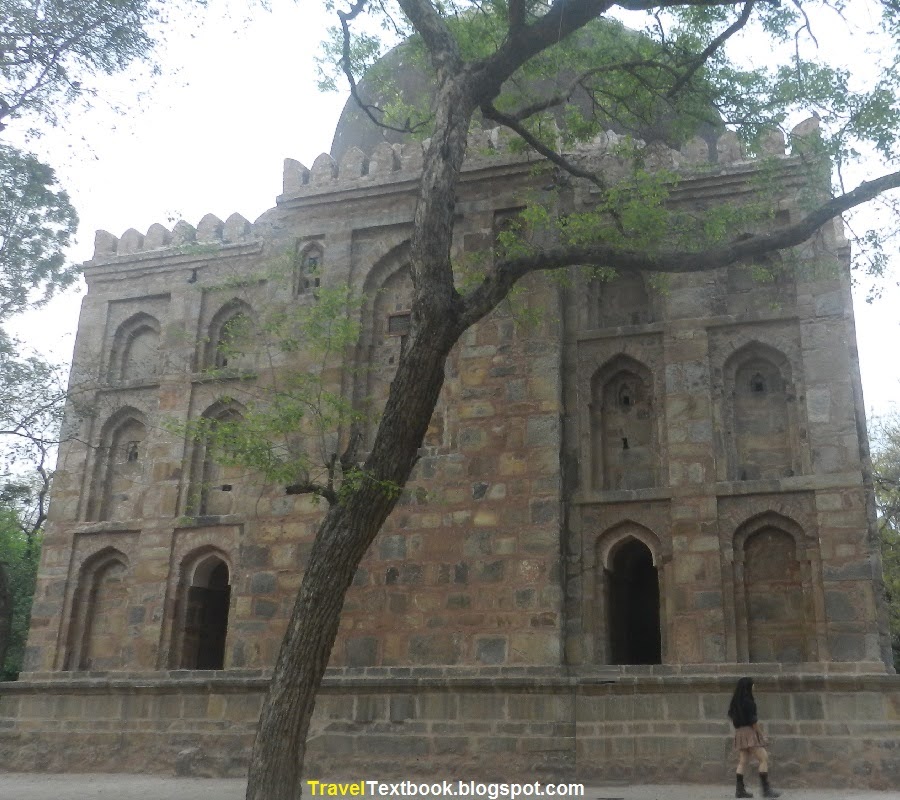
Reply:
x=497 y=284
x=561 y=97
x=439 y=41
x=516 y=15
x=308 y=487
x=713 y=46
x=346 y=17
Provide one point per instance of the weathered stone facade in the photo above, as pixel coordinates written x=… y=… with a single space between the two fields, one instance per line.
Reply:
x=648 y=475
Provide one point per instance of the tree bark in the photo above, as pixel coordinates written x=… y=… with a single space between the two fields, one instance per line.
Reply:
x=340 y=544
x=439 y=316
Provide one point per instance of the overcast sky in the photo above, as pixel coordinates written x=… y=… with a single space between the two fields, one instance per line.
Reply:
x=239 y=96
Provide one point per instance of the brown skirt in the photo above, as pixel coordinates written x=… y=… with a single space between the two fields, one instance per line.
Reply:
x=747 y=738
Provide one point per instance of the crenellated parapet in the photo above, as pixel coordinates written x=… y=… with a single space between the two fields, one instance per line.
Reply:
x=491 y=147
x=209 y=231
x=388 y=162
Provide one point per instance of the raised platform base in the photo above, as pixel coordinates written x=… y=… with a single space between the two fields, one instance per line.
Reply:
x=829 y=725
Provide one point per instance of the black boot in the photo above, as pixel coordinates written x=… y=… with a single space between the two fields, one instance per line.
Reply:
x=768 y=791
x=739 y=790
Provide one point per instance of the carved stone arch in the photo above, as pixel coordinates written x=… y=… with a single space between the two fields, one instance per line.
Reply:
x=386 y=320
x=310 y=262
x=628 y=587
x=202 y=603
x=774 y=588
x=98 y=618
x=624 y=427
x=229 y=337
x=134 y=356
x=761 y=431
x=117 y=488
x=620 y=302
x=214 y=487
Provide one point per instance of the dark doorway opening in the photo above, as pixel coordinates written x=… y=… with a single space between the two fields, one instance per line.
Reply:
x=634 y=629
x=206 y=617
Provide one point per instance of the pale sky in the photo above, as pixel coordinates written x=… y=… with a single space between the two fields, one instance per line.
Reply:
x=238 y=97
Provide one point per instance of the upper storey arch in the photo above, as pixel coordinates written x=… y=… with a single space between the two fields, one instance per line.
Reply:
x=760 y=415
x=134 y=357
x=624 y=437
x=116 y=490
x=215 y=486
x=309 y=263
x=229 y=337
x=386 y=321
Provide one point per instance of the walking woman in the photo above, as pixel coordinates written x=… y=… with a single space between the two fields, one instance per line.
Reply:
x=749 y=740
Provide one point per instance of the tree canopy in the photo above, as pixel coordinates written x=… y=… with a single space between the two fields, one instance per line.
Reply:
x=553 y=74
x=52 y=55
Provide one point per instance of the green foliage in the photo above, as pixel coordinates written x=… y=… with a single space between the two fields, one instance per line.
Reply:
x=886 y=464
x=649 y=82
x=19 y=555
x=52 y=50
x=295 y=415
x=37 y=222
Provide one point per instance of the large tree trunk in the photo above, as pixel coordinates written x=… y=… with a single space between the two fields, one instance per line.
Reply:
x=346 y=533
x=350 y=526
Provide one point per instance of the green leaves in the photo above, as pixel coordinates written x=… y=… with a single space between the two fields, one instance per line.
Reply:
x=37 y=222
x=50 y=50
x=295 y=413
x=885 y=434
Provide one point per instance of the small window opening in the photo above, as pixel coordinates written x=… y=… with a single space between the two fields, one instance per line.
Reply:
x=399 y=324
x=226 y=487
x=624 y=442
x=757 y=384
x=131 y=452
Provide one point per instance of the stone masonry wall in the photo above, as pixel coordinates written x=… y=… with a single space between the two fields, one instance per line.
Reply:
x=661 y=725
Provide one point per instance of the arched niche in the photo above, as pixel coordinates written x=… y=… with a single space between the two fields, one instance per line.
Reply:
x=229 y=342
x=118 y=484
x=624 y=437
x=135 y=350
x=761 y=432
x=308 y=273
x=215 y=485
x=628 y=596
x=621 y=301
x=203 y=599
x=98 y=620
x=773 y=592
x=386 y=323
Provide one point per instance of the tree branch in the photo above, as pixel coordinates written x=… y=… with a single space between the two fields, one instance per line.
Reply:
x=714 y=45
x=308 y=487
x=497 y=284
x=439 y=41
x=346 y=17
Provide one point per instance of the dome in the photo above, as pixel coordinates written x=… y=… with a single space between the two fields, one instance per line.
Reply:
x=412 y=83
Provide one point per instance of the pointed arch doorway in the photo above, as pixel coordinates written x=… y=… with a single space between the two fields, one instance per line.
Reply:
x=633 y=606
x=630 y=624
x=203 y=620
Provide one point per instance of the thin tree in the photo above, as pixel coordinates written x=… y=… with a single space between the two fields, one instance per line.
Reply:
x=479 y=54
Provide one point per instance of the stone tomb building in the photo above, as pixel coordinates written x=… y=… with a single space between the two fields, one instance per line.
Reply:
x=618 y=510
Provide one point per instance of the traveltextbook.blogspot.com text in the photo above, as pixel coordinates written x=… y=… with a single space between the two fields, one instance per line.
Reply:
x=457 y=788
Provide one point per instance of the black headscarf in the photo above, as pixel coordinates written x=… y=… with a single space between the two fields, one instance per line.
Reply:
x=743 y=707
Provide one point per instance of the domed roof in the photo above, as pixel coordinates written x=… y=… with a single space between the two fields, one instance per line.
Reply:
x=410 y=80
